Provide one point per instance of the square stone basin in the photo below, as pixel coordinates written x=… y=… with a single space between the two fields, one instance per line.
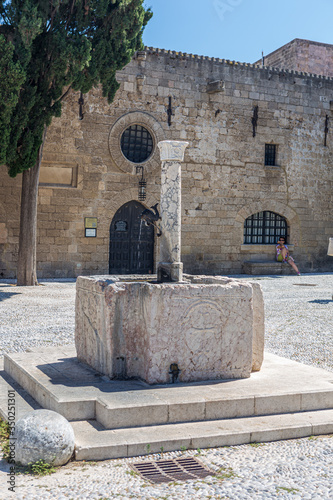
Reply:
x=130 y=327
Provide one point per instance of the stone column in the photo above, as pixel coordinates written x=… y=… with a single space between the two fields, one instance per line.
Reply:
x=169 y=267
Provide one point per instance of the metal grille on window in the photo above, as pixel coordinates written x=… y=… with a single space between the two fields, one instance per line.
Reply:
x=136 y=144
x=270 y=154
x=264 y=228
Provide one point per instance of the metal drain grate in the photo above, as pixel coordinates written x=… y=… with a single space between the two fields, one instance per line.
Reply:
x=178 y=469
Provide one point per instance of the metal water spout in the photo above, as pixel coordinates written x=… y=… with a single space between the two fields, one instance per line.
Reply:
x=150 y=217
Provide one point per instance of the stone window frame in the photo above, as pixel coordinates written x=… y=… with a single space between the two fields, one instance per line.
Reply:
x=118 y=128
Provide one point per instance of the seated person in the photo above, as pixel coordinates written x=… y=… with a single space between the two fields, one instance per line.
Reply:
x=282 y=254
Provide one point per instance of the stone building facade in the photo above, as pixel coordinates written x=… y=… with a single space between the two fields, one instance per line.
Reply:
x=303 y=55
x=259 y=162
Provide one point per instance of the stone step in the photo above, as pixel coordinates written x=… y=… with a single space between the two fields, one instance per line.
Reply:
x=93 y=442
x=57 y=381
x=264 y=267
x=11 y=390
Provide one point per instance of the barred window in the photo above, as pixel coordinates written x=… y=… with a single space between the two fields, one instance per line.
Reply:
x=264 y=228
x=136 y=144
x=270 y=154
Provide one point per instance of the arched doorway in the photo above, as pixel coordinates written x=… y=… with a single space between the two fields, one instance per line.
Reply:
x=131 y=241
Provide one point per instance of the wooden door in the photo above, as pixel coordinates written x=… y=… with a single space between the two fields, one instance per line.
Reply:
x=131 y=241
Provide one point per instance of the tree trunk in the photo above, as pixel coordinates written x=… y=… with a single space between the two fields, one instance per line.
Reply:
x=26 y=266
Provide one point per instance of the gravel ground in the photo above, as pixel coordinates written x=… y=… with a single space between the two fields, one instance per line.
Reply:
x=36 y=316
x=299 y=317
x=299 y=325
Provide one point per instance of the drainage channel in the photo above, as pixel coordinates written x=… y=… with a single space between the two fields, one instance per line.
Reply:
x=178 y=469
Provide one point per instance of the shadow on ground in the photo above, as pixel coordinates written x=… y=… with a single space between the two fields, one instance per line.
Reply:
x=7 y=295
x=320 y=301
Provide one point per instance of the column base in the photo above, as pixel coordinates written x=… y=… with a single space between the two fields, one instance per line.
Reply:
x=169 y=272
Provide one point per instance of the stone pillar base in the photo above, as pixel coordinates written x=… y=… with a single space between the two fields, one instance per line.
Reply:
x=169 y=271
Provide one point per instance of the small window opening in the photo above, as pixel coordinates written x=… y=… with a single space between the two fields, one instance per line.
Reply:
x=270 y=154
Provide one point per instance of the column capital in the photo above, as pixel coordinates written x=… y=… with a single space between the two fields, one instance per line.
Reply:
x=172 y=150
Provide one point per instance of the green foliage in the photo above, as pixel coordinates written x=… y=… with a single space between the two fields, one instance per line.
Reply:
x=12 y=77
x=225 y=473
x=293 y=491
x=132 y=472
x=40 y=468
x=4 y=438
x=49 y=47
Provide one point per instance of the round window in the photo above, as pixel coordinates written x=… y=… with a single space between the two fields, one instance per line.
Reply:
x=136 y=144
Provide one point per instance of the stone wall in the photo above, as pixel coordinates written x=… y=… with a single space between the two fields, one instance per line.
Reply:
x=224 y=179
x=10 y=190
x=303 y=55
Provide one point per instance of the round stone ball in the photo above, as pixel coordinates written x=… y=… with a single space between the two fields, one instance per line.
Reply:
x=43 y=435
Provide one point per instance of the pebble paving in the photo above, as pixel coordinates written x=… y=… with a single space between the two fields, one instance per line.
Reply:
x=299 y=326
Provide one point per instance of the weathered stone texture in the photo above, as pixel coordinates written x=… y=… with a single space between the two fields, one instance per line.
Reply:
x=224 y=179
x=172 y=154
x=125 y=329
x=43 y=435
x=303 y=55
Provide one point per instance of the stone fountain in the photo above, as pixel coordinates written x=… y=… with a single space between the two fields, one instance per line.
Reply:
x=186 y=329
x=180 y=328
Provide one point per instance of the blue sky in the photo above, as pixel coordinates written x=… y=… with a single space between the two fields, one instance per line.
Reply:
x=236 y=29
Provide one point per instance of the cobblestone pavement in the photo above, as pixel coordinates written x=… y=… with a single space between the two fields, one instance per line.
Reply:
x=299 y=325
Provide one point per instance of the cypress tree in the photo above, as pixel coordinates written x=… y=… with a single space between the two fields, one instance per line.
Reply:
x=50 y=47
x=12 y=77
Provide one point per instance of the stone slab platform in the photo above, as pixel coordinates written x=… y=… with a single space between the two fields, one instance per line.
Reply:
x=58 y=381
x=119 y=418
